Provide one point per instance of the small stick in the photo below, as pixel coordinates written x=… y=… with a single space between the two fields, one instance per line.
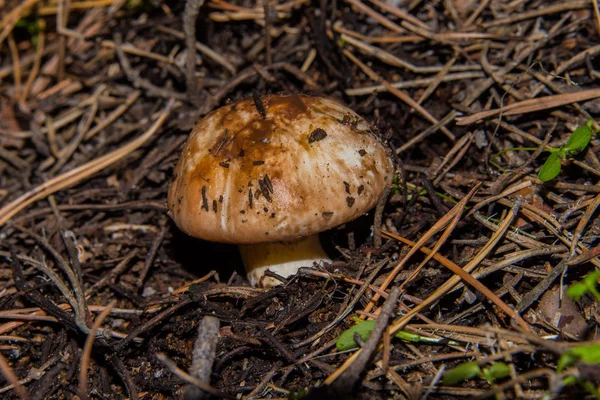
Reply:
x=203 y=357
x=76 y=297
x=171 y=366
x=204 y=49
x=190 y=14
x=591 y=209
x=437 y=227
x=111 y=275
x=137 y=80
x=265 y=380
x=146 y=326
x=379 y=216
x=82 y=172
x=443 y=289
x=270 y=339
x=398 y=93
x=269 y=53
x=10 y=376
x=14 y=51
x=62 y=14
x=87 y=350
x=531 y=105
x=151 y=255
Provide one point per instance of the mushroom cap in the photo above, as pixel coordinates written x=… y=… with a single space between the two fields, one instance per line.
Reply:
x=277 y=168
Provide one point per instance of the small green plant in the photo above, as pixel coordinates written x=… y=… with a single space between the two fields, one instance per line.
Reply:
x=586 y=285
x=470 y=370
x=576 y=143
x=33 y=26
x=589 y=354
x=396 y=184
x=346 y=340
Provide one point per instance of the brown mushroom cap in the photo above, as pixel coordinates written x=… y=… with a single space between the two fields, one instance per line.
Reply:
x=277 y=168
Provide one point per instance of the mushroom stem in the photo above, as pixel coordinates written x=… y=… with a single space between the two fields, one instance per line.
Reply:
x=282 y=258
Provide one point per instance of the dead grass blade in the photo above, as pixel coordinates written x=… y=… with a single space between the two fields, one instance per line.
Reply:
x=10 y=20
x=87 y=350
x=398 y=93
x=465 y=276
x=10 y=376
x=171 y=366
x=440 y=242
x=78 y=174
x=591 y=209
x=449 y=284
x=457 y=210
x=532 y=105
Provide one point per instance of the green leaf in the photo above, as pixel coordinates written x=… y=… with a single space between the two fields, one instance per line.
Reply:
x=566 y=360
x=364 y=328
x=591 y=280
x=396 y=184
x=586 y=285
x=595 y=292
x=579 y=139
x=551 y=168
x=589 y=386
x=569 y=380
x=461 y=373
x=589 y=354
x=33 y=27
x=413 y=337
x=577 y=290
x=496 y=371
x=590 y=124
x=346 y=340
x=22 y=23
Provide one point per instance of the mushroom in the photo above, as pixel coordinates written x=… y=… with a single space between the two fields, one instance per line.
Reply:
x=270 y=173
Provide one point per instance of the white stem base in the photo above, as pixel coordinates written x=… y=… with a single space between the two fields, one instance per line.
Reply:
x=282 y=258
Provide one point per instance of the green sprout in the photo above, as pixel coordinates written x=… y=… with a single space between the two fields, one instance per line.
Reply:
x=396 y=184
x=576 y=143
x=33 y=26
x=346 y=340
x=586 y=285
x=589 y=354
x=470 y=370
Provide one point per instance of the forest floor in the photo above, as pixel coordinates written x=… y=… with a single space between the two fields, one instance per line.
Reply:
x=493 y=262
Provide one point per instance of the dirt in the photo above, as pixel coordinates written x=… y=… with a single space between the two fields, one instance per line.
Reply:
x=101 y=295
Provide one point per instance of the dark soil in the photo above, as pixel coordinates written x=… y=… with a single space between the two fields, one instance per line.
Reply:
x=78 y=235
